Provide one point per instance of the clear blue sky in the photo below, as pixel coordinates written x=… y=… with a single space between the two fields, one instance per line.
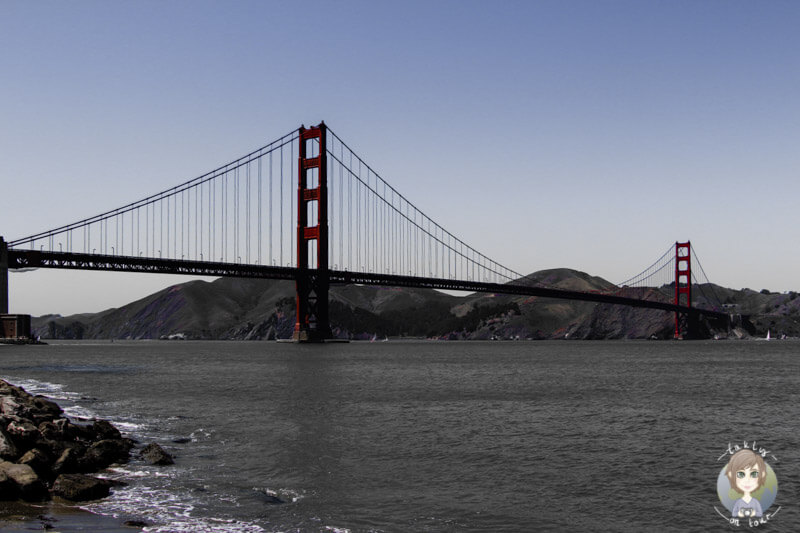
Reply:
x=581 y=134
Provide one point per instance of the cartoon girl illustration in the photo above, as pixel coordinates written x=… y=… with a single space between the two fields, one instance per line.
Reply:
x=746 y=473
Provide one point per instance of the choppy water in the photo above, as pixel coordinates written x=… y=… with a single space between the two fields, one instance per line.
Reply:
x=431 y=436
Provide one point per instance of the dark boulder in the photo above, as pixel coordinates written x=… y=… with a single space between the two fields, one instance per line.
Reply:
x=64 y=430
x=49 y=431
x=10 y=407
x=8 y=489
x=31 y=488
x=155 y=455
x=44 y=409
x=53 y=448
x=82 y=432
x=8 y=450
x=23 y=433
x=70 y=461
x=79 y=487
x=268 y=497
x=63 y=427
x=38 y=460
x=104 y=430
x=104 y=453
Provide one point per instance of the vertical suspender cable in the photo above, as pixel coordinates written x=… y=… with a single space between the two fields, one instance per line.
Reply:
x=358 y=220
x=350 y=216
x=340 y=213
x=269 y=211
x=247 y=211
x=259 y=210
x=281 y=218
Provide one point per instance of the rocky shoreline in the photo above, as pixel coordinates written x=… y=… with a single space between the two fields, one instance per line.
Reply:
x=46 y=456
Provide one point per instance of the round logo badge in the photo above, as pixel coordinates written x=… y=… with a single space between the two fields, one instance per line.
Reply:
x=747 y=486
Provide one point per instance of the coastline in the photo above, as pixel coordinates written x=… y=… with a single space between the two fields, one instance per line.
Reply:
x=59 y=516
x=51 y=465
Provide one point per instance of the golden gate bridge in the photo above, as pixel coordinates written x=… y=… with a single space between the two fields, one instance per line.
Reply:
x=307 y=208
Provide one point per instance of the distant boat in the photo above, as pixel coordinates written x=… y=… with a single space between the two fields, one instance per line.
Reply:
x=768 y=337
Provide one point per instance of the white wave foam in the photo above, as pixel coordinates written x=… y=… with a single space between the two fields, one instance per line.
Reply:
x=212 y=525
x=129 y=427
x=170 y=511
x=122 y=472
x=79 y=412
x=200 y=434
x=54 y=391
x=287 y=495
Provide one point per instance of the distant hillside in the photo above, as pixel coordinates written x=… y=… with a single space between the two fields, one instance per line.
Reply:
x=778 y=313
x=232 y=308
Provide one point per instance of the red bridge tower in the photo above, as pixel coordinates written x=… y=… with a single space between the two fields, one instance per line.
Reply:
x=683 y=285
x=313 y=278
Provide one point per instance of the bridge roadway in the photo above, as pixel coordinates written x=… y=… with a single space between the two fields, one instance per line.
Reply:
x=23 y=259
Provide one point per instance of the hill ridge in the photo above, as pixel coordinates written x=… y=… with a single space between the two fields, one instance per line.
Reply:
x=238 y=308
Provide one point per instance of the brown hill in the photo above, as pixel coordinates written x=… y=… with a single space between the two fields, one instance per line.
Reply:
x=231 y=308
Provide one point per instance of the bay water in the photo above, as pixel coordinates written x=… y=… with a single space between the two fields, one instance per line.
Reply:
x=431 y=436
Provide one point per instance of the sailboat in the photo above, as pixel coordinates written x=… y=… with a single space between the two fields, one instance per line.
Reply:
x=768 y=337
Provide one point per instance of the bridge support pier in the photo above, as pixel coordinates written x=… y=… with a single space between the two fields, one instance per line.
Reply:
x=313 y=280
x=3 y=277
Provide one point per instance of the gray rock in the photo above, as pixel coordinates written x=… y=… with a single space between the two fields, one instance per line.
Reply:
x=81 y=432
x=23 y=433
x=38 y=460
x=52 y=448
x=69 y=462
x=104 y=453
x=155 y=455
x=30 y=486
x=9 y=406
x=79 y=487
x=269 y=497
x=104 y=430
x=48 y=430
x=8 y=450
x=44 y=409
x=8 y=489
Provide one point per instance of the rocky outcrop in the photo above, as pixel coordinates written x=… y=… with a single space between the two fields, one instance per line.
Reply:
x=155 y=455
x=41 y=450
x=79 y=487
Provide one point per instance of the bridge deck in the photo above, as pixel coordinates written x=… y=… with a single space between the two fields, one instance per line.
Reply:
x=22 y=259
